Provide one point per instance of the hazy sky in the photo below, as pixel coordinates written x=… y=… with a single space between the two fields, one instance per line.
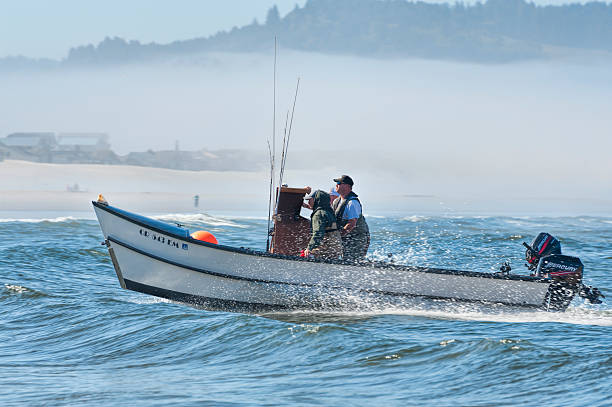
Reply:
x=436 y=115
x=503 y=135
x=49 y=28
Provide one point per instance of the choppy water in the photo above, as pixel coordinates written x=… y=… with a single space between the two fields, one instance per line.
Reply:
x=69 y=335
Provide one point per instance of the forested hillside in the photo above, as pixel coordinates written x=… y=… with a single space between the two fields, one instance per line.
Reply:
x=496 y=31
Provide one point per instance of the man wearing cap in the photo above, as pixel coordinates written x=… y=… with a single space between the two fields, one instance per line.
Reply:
x=325 y=242
x=349 y=216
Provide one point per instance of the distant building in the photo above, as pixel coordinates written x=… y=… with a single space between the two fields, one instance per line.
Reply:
x=29 y=146
x=29 y=140
x=85 y=148
x=94 y=148
x=85 y=142
x=91 y=148
x=222 y=160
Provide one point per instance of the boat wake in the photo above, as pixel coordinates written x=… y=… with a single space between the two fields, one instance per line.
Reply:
x=574 y=315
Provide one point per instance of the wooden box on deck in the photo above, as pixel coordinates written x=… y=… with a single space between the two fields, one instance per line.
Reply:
x=291 y=231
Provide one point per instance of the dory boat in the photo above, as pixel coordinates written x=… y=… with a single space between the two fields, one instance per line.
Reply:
x=160 y=259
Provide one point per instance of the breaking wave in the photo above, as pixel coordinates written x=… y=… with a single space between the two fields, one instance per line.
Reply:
x=415 y=218
x=200 y=218
x=58 y=219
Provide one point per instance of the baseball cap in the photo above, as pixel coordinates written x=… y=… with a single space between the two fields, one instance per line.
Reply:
x=344 y=179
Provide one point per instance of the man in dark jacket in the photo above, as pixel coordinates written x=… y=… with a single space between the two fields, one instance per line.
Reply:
x=325 y=241
x=349 y=217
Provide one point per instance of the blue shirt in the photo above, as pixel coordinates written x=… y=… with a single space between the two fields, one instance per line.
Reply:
x=352 y=210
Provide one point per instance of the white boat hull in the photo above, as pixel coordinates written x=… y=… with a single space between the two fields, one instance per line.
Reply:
x=162 y=260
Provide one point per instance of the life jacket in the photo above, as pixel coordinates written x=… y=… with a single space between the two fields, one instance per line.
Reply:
x=361 y=227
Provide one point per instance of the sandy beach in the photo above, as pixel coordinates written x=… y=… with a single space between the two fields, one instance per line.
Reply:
x=28 y=186
x=41 y=187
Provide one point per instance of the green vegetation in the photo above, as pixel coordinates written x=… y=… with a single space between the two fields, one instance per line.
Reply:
x=496 y=31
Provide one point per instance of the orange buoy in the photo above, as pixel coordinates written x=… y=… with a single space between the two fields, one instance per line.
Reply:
x=204 y=236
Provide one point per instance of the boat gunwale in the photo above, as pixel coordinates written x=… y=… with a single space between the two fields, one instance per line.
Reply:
x=370 y=264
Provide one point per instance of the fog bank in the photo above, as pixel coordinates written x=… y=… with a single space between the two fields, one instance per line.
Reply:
x=536 y=131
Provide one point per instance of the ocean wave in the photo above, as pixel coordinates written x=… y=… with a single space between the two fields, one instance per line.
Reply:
x=509 y=238
x=307 y=328
x=243 y=217
x=16 y=289
x=415 y=218
x=367 y=215
x=199 y=218
x=58 y=219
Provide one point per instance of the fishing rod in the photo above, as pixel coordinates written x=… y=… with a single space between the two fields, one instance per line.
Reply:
x=272 y=152
x=286 y=147
x=270 y=195
x=280 y=180
x=283 y=150
x=286 y=139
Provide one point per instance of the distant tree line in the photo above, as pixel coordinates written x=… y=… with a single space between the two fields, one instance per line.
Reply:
x=495 y=31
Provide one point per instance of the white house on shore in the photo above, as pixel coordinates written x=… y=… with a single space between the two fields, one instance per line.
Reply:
x=85 y=142
x=60 y=148
x=30 y=146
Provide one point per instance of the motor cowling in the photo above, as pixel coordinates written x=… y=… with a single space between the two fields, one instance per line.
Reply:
x=560 y=267
x=543 y=245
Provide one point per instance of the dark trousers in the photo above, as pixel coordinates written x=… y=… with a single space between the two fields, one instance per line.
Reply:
x=355 y=246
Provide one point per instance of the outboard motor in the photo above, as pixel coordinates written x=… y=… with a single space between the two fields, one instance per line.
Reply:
x=544 y=256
